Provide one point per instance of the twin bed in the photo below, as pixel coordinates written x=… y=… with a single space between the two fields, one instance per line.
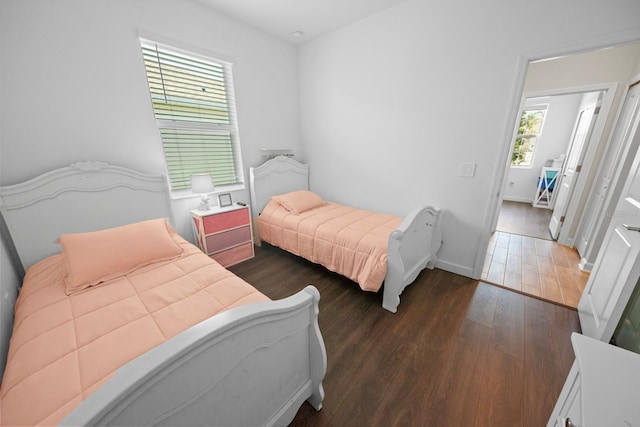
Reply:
x=132 y=325
x=367 y=247
x=120 y=321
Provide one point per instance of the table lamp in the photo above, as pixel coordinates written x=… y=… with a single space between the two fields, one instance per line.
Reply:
x=201 y=184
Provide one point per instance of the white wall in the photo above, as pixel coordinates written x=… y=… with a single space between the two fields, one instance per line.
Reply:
x=74 y=86
x=558 y=125
x=389 y=106
x=393 y=104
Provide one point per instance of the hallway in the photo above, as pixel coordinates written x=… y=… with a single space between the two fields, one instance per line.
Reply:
x=524 y=219
x=535 y=266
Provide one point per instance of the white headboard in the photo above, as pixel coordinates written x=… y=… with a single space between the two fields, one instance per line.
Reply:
x=85 y=196
x=279 y=175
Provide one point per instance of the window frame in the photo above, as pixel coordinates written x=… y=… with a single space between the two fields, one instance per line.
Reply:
x=538 y=107
x=172 y=124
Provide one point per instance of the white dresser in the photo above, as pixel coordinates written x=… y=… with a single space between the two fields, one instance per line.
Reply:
x=601 y=389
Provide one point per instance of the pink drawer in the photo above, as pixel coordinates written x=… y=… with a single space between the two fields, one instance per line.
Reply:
x=228 y=239
x=224 y=221
x=234 y=255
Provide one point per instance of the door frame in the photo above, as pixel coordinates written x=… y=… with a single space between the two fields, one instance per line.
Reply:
x=587 y=116
x=620 y=165
x=580 y=191
x=584 y=183
x=575 y=47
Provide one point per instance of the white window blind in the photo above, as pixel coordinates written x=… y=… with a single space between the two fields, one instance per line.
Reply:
x=194 y=107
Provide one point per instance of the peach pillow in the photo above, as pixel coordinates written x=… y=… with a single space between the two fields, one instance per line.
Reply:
x=297 y=202
x=98 y=256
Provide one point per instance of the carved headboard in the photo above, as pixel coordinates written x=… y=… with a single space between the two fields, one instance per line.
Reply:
x=85 y=196
x=279 y=175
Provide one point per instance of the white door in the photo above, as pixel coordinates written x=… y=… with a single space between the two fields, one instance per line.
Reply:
x=617 y=162
x=617 y=267
x=572 y=166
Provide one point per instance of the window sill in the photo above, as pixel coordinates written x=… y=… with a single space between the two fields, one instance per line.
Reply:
x=187 y=194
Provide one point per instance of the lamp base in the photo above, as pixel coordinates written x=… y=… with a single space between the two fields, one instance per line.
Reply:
x=204 y=203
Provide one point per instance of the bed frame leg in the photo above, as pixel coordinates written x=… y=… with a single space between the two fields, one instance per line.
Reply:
x=318 y=354
x=390 y=298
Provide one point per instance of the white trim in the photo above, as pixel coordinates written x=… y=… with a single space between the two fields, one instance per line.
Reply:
x=499 y=182
x=456 y=269
x=187 y=48
x=616 y=183
x=517 y=199
x=187 y=194
x=588 y=160
x=584 y=265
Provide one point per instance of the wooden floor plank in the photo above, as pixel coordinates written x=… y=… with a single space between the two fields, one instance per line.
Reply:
x=501 y=402
x=482 y=308
x=548 y=358
x=463 y=376
x=508 y=329
x=457 y=352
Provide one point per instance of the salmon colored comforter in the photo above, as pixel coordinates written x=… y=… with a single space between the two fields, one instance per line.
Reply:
x=349 y=241
x=63 y=347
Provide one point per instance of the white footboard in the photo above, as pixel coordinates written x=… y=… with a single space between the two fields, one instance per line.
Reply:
x=412 y=247
x=251 y=366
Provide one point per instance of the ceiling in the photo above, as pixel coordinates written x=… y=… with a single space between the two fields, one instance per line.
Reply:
x=313 y=18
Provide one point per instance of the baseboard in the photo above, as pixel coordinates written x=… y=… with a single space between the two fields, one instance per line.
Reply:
x=518 y=199
x=584 y=265
x=455 y=268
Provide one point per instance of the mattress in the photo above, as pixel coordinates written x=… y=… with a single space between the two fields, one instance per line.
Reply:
x=351 y=242
x=64 y=347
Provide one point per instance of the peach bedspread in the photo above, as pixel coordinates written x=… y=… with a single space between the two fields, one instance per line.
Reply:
x=63 y=347
x=349 y=241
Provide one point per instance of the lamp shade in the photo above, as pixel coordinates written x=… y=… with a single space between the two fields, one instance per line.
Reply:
x=201 y=183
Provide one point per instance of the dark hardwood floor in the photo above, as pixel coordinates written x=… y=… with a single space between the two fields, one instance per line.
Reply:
x=457 y=353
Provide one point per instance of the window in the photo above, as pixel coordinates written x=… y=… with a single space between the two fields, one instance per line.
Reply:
x=528 y=132
x=194 y=107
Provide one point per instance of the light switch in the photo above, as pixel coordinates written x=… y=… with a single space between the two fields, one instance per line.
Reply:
x=467 y=170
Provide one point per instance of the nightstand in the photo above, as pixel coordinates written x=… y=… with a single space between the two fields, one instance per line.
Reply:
x=224 y=233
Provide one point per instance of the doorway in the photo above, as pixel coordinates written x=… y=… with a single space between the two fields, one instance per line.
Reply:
x=523 y=253
x=521 y=256
x=522 y=218
x=615 y=65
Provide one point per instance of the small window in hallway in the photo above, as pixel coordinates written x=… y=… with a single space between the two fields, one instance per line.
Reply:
x=529 y=130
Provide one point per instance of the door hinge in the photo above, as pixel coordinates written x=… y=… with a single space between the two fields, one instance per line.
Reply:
x=578 y=168
x=597 y=110
x=562 y=218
